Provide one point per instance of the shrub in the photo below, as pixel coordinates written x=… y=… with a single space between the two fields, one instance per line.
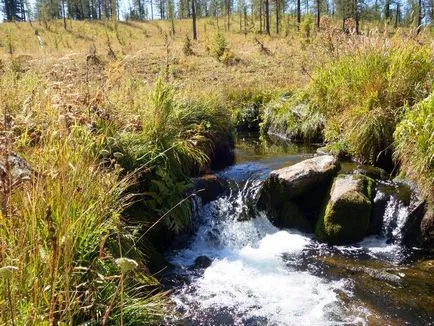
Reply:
x=292 y=118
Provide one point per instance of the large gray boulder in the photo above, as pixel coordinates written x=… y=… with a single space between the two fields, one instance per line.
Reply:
x=292 y=195
x=347 y=215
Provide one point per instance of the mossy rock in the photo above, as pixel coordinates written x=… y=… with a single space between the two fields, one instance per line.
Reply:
x=347 y=214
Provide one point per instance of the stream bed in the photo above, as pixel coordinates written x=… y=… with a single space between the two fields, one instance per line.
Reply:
x=238 y=269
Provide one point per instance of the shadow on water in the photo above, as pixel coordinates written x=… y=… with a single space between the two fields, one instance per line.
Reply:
x=239 y=270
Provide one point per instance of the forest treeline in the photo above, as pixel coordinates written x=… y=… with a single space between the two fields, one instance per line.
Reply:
x=261 y=16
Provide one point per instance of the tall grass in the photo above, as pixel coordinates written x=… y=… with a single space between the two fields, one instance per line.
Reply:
x=178 y=137
x=414 y=144
x=61 y=229
x=362 y=95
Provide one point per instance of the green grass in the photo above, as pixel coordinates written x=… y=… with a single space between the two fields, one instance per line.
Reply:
x=414 y=144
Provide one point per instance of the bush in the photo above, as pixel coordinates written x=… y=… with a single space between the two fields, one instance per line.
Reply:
x=187 y=47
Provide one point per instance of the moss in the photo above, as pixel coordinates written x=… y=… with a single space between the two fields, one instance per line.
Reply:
x=347 y=219
x=368 y=186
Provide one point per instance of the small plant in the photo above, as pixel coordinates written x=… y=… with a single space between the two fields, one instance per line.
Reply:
x=91 y=57
x=10 y=46
x=110 y=52
x=306 y=26
x=187 y=47
x=219 y=47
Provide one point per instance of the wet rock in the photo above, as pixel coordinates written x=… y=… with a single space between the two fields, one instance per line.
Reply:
x=155 y=261
x=202 y=262
x=378 y=209
x=412 y=230
x=427 y=228
x=223 y=154
x=380 y=275
x=209 y=187
x=348 y=212
x=293 y=195
x=372 y=172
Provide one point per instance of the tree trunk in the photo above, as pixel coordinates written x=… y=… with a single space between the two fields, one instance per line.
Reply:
x=245 y=19
x=298 y=13
x=267 y=17
x=387 y=10
x=420 y=17
x=397 y=15
x=277 y=16
x=228 y=8
x=193 y=14
x=318 y=13
x=260 y=17
x=356 y=15
x=64 y=14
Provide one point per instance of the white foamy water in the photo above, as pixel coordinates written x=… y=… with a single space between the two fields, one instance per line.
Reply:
x=249 y=278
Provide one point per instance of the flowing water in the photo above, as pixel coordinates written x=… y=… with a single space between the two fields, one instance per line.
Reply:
x=251 y=273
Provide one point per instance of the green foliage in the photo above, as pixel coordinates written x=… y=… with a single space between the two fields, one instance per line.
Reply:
x=414 y=144
x=247 y=106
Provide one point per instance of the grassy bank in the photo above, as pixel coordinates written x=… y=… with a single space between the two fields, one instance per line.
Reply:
x=102 y=126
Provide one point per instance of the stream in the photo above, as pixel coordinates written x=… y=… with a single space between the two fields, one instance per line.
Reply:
x=238 y=269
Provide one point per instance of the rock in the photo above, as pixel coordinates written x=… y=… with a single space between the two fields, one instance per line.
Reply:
x=372 y=172
x=379 y=208
x=223 y=153
x=412 y=233
x=348 y=212
x=155 y=261
x=209 y=187
x=292 y=195
x=380 y=275
x=18 y=168
x=202 y=262
x=301 y=177
x=427 y=228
